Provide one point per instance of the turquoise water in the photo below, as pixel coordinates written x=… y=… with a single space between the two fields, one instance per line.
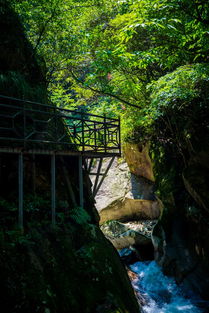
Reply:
x=160 y=293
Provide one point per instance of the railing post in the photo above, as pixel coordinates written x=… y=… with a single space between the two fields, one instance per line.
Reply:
x=56 y=127
x=95 y=137
x=82 y=125
x=53 y=188
x=105 y=134
x=80 y=169
x=20 y=189
x=119 y=135
x=24 y=125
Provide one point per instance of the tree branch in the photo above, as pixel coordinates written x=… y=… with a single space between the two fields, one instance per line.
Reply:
x=102 y=92
x=44 y=29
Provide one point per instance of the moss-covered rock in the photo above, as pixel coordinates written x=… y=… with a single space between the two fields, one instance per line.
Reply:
x=180 y=101
x=196 y=177
x=72 y=268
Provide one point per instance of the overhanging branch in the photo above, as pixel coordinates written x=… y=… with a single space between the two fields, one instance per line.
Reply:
x=102 y=92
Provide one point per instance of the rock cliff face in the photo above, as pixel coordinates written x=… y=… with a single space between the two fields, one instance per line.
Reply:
x=127 y=194
x=69 y=268
x=181 y=235
x=128 y=190
x=22 y=72
x=138 y=159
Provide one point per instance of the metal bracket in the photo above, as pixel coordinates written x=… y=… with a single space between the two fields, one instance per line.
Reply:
x=100 y=176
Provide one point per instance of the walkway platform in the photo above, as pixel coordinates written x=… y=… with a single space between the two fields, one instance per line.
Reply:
x=38 y=128
x=34 y=128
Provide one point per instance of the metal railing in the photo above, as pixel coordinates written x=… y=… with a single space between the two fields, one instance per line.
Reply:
x=30 y=125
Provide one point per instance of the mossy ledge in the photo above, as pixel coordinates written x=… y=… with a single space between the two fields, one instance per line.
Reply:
x=70 y=268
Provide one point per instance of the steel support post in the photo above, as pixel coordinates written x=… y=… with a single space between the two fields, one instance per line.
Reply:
x=97 y=187
x=34 y=174
x=53 y=188
x=97 y=176
x=20 y=189
x=80 y=169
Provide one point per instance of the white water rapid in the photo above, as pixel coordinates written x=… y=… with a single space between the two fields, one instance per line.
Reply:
x=160 y=293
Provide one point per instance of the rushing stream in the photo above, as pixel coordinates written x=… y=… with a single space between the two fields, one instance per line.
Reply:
x=160 y=293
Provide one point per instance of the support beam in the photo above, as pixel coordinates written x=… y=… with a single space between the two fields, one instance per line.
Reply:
x=68 y=183
x=53 y=188
x=20 y=189
x=34 y=174
x=80 y=165
x=90 y=165
x=97 y=176
x=96 y=188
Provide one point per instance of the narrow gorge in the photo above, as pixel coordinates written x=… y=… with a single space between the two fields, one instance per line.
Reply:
x=104 y=156
x=130 y=221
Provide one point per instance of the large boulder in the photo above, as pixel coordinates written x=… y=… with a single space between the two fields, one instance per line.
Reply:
x=116 y=184
x=130 y=238
x=129 y=177
x=133 y=237
x=123 y=235
x=138 y=160
x=124 y=184
x=125 y=209
x=131 y=195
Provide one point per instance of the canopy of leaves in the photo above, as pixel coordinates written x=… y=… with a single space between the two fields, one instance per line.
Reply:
x=179 y=102
x=105 y=54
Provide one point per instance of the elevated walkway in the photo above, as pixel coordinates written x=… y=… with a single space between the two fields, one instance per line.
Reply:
x=28 y=127
x=33 y=127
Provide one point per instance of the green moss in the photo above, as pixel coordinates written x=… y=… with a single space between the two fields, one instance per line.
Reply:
x=79 y=215
x=64 y=269
x=14 y=84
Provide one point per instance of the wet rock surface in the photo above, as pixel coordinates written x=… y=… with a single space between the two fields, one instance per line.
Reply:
x=114 y=229
x=133 y=235
x=180 y=237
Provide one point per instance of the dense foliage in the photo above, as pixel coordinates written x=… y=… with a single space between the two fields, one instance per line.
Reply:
x=104 y=54
x=146 y=61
